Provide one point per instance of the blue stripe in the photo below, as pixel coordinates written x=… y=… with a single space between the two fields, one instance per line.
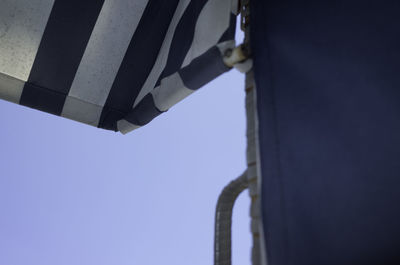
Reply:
x=144 y=112
x=203 y=69
x=64 y=41
x=138 y=61
x=183 y=38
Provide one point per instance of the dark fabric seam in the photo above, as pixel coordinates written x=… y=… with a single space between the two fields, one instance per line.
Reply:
x=63 y=94
x=277 y=153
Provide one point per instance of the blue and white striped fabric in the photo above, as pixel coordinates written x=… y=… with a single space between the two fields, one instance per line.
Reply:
x=114 y=64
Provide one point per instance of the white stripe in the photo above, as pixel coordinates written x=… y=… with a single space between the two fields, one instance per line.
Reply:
x=125 y=126
x=211 y=25
x=106 y=49
x=82 y=111
x=171 y=91
x=163 y=54
x=10 y=88
x=22 y=23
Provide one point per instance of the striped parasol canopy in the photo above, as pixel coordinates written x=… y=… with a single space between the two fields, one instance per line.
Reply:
x=113 y=64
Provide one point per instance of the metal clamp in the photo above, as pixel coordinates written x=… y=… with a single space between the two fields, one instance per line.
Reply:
x=239 y=58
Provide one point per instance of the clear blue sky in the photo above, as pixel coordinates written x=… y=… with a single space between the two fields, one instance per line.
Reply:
x=71 y=194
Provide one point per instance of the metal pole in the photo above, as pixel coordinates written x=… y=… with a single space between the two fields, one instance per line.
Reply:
x=223 y=220
x=251 y=114
x=252 y=176
x=240 y=59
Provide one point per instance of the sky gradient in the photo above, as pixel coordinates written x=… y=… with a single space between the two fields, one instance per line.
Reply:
x=71 y=194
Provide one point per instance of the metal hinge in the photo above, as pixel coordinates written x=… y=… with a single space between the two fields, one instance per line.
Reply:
x=240 y=56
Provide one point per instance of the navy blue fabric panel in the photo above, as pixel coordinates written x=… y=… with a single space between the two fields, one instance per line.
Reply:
x=139 y=60
x=64 y=41
x=203 y=69
x=144 y=112
x=183 y=38
x=328 y=79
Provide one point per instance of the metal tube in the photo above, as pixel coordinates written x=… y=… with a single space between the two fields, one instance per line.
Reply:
x=223 y=220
